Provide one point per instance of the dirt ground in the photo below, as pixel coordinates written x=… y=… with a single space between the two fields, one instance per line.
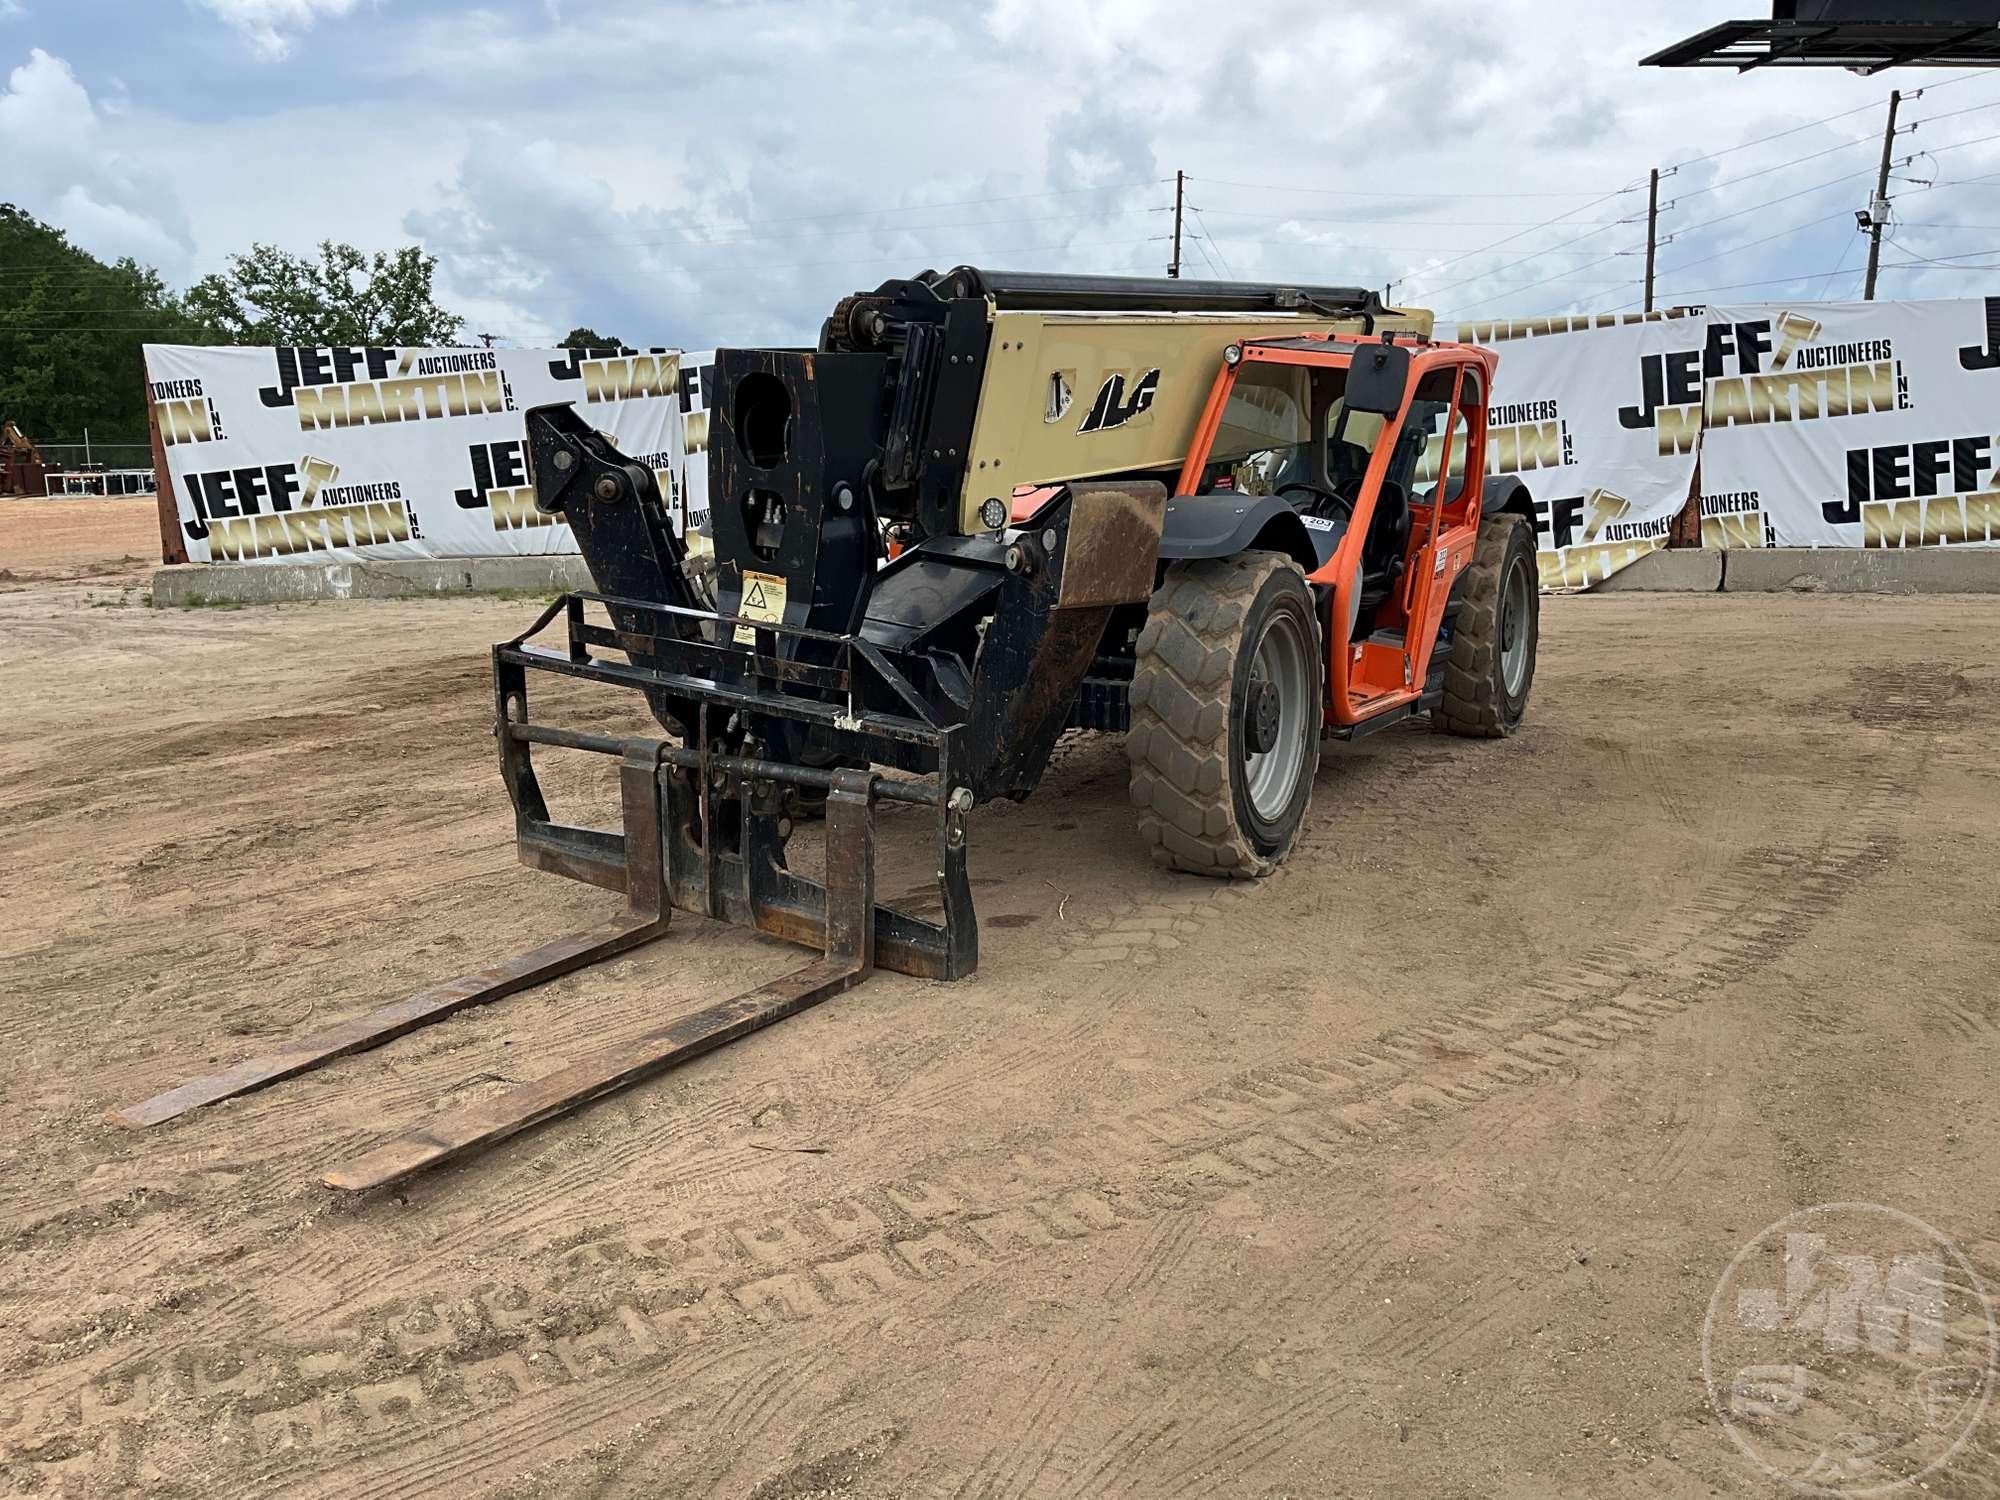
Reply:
x=1408 y=1172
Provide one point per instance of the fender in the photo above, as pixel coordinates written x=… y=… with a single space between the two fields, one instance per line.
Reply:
x=1507 y=494
x=1223 y=525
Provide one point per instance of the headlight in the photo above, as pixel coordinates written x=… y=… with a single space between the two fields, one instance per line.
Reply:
x=992 y=513
x=1233 y=355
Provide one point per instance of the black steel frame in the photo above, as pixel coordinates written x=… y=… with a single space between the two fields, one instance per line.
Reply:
x=740 y=874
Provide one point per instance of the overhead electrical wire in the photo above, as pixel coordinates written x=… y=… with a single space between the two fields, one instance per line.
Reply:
x=1780 y=167
x=1511 y=291
x=1269 y=187
x=1203 y=224
x=1751 y=176
x=1237 y=213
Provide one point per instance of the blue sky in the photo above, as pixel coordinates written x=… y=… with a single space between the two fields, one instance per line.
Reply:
x=694 y=173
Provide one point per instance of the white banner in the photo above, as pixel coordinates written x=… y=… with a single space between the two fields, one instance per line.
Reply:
x=1863 y=424
x=354 y=453
x=1815 y=424
x=1571 y=415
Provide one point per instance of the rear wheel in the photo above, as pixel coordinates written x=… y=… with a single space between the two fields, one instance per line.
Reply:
x=1227 y=694
x=1492 y=661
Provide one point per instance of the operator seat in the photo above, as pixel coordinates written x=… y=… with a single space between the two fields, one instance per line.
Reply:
x=1346 y=464
x=1389 y=530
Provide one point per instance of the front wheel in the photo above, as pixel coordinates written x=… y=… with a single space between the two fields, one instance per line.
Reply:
x=1493 y=641
x=1227 y=702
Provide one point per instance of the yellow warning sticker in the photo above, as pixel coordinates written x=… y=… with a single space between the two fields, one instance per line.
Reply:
x=763 y=599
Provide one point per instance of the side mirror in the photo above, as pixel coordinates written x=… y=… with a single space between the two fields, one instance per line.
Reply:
x=1377 y=379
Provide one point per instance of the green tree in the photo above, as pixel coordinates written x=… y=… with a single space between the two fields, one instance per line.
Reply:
x=72 y=334
x=589 y=338
x=271 y=296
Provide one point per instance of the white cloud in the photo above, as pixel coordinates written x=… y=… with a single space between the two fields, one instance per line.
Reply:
x=12 y=10
x=271 y=24
x=61 y=168
x=762 y=167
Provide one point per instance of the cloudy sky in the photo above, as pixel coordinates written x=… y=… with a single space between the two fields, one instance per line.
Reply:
x=694 y=173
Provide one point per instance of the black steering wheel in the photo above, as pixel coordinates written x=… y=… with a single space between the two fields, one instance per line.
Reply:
x=1340 y=506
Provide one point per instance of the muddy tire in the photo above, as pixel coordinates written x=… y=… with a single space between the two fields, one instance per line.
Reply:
x=1492 y=663
x=1227 y=698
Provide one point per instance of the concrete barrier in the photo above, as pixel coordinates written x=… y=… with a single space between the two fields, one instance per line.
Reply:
x=1688 y=571
x=1810 y=570
x=185 y=585
x=1870 y=570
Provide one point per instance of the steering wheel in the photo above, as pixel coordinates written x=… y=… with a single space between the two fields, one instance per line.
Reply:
x=1340 y=505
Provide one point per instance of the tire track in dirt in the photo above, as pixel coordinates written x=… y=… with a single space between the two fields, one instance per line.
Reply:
x=1285 y=1119
x=1704 y=948
x=1032 y=1428
x=1179 y=1416
x=1042 y=1435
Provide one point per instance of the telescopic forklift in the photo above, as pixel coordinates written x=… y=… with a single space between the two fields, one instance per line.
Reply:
x=1227 y=520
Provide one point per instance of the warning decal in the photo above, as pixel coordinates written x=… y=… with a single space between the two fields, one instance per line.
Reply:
x=763 y=599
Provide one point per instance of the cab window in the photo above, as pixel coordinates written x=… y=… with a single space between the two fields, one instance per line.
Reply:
x=1471 y=398
x=1420 y=446
x=1264 y=440
x=1350 y=443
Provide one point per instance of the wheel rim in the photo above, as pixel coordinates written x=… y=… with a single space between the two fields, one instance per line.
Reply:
x=1516 y=614
x=1281 y=668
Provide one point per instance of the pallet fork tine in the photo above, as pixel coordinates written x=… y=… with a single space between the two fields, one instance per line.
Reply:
x=667 y=792
x=647 y=920
x=850 y=955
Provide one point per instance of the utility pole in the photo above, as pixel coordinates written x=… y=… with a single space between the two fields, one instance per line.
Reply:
x=1878 y=207
x=1180 y=186
x=1652 y=232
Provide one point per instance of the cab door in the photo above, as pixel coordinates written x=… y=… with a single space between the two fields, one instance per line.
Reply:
x=1444 y=510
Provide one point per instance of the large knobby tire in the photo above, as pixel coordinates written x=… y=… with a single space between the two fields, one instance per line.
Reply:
x=1230 y=659
x=1492 y=661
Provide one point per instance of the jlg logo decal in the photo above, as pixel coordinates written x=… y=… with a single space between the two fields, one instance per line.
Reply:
x=1114 y=408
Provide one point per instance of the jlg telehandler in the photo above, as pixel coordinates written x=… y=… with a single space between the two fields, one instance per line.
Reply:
x=1225 y=519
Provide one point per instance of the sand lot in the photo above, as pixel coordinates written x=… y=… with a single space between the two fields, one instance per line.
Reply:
x=1410 y=1171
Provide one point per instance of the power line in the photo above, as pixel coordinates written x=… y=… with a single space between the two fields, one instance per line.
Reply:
x=1917 y=265
x=1740 y=178
x=1779 y=135
x=1524 y=260
x=1734 y=286
x=1773 y=202
x=67 y=326
x=1845 y=251
x=1978 y=140
x=1238 y=213
x=1941 y=261
x=1951 y=114
x=1496 y=244
x=682 y=241
x=1237 y=239
x=1203 y=224
x=1514 y=291
x=1776 y=135
x=1267 y=187
x=429 y=243
x=1781 y=166
x=1752 y=244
